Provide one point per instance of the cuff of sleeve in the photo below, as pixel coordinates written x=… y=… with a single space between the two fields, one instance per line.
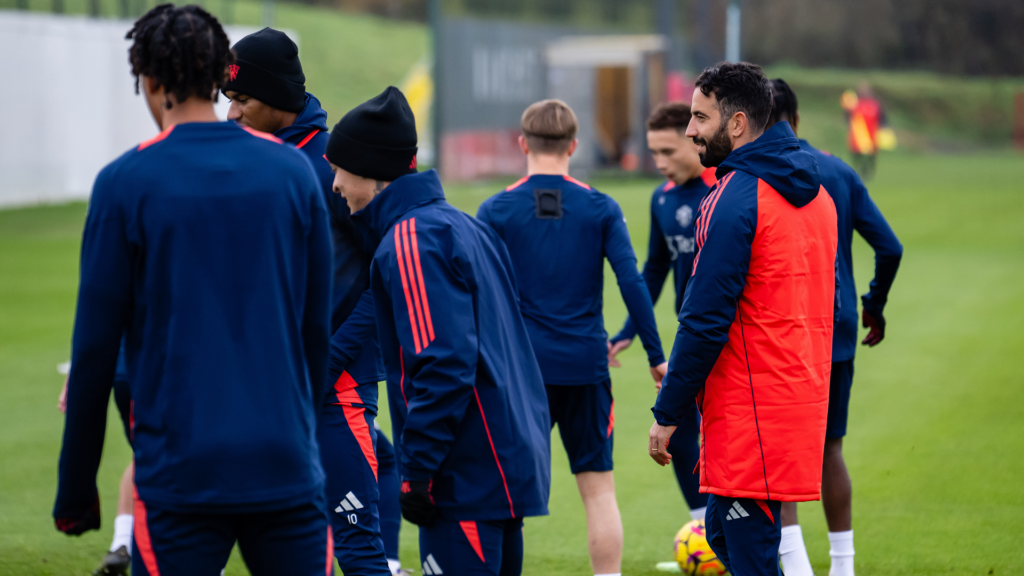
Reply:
x=874 y=308
x=337 y=361
x=656 y=360
x=663 y=418
x=417 y=475
x=625 y=334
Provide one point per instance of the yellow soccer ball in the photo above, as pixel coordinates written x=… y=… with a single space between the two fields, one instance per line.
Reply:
x=693 y=553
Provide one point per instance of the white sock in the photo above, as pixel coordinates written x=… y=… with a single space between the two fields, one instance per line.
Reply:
x=841 y=552
x=698 y=513
x=124 y=524
x=394 y=565
x=793 y=553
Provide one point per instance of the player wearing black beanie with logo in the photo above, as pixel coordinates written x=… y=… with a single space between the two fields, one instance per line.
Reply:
x=267 y=91
x=467 y=399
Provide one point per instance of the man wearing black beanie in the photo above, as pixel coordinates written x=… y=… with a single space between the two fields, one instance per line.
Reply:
x=468 y=405
x=267 y=93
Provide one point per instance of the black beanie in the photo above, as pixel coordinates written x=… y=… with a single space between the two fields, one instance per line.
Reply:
x=267 y=68
x=376 y=139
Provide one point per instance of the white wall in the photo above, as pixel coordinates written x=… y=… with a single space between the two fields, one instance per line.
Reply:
x=67 y=104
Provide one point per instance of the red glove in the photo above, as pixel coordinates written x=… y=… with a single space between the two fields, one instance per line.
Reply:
x=875 y=326
x=78 y=524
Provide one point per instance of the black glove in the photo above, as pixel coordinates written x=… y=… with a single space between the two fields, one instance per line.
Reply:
x=78 y=523
x=875 y=323
x=417 y=504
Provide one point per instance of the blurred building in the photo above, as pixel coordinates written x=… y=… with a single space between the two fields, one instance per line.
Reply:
x=69 y=104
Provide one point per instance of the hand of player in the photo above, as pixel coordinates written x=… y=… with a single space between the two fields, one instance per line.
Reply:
x=417 y=504
x=614 y=348
x=657 y=444
x=876 y=328
x=77 y=524
x=62 y=400
x=658 y=373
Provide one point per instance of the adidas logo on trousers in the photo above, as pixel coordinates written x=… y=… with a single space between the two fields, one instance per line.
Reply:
x=736 y=512
x=430 y=567
x=349 y=504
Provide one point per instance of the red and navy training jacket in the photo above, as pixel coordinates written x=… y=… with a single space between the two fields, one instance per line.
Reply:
x=754 y=344
x=672 y=243
x=467 y=399
x=559 y=231
x=208 y=249
x=355 y=363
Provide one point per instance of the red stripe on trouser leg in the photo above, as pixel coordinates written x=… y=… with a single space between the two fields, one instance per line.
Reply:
x=469 y=528
x=764 y=506
x=330 y=550
x=345 y=382
x=361 y=430
x=611 y=420
x=143 y=543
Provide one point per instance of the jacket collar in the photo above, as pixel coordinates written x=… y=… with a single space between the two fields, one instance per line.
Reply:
x=312 y=117
x=776 y=158
x=401 y=196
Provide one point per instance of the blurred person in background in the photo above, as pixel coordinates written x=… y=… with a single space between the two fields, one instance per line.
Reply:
x=207 y=248
x=671 y=247
x=855 y=211
x=559 y=231
x=466 y=395
x=868 y=130
x=753 y=347
x=266 y=86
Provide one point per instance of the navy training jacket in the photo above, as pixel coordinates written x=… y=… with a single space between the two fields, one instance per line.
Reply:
x=354 y=346
x=467 y=399
x=856 y=211
x=558 y=232
x=208 y=248
x=672 y=244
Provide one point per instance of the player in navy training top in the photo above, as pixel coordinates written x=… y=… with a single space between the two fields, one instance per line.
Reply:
x=267 y=92
x=208 y=249
x=464 y=389
x=855 y=210
x=672 y=247
x=559 y=231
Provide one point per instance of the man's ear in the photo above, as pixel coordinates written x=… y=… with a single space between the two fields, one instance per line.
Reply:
x=523 y=145
x=572 y=147
x=738 y=125
x=796 y=121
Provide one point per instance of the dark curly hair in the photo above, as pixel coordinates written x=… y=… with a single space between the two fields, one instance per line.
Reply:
x=670 y=116
x=183 y=48
x=739 y=87
x=784 y=103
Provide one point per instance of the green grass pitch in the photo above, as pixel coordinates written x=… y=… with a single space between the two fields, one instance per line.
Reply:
x=937 y=417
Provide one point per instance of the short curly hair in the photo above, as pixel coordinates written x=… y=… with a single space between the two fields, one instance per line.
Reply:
x=739 y=87
x=183 y=48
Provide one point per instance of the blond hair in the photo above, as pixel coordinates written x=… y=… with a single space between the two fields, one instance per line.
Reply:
x=549 y=127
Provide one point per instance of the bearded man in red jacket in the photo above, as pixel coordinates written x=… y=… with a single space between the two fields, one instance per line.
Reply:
x=754 y=345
